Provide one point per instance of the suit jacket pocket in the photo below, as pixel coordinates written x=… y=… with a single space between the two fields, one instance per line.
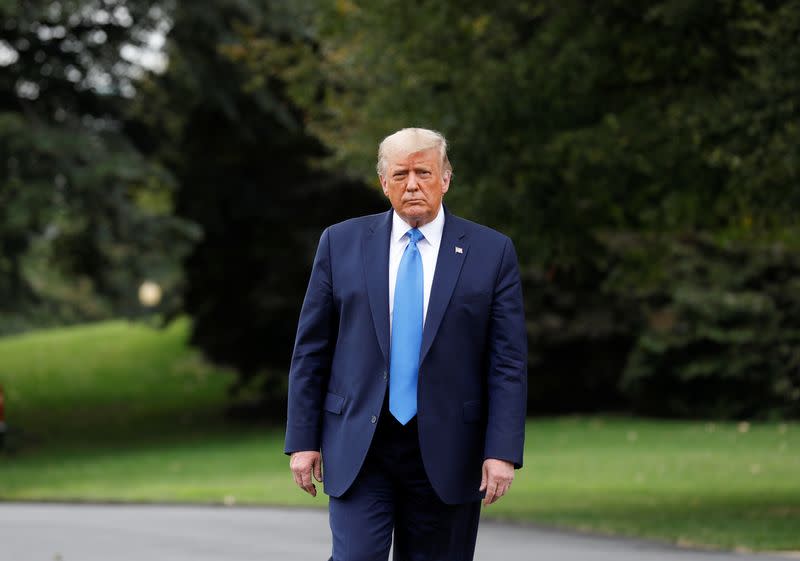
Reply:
x=472 y=411
x=333 y=403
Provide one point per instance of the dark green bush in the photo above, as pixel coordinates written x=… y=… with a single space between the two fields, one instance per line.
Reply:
x=720 y=332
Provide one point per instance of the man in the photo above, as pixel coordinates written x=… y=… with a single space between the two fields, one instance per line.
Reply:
x=408 y=376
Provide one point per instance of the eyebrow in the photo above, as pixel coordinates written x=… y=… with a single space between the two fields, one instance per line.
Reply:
x=415 y=168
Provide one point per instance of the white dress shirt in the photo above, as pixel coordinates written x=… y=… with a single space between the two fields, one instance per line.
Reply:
x=428 y=250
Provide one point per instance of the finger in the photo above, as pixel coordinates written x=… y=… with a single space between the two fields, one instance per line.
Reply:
x=491 y=491
x=311 y=489
x=305 y=475
x=484 y=479
x=308 y=484
x=297 y=474
x=295 y=469
x=318 y=469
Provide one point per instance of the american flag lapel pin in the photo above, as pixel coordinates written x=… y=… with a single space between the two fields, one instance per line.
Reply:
x=459 y=250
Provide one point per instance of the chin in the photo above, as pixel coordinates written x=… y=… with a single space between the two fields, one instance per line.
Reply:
x=418 y=215
x=417 y=211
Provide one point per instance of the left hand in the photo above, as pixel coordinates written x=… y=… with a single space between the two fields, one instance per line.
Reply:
x=497 y=478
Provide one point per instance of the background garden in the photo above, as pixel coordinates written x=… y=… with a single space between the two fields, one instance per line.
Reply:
x=643 y=156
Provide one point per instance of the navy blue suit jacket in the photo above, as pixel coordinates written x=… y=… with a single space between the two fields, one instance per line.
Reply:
x=472 y=385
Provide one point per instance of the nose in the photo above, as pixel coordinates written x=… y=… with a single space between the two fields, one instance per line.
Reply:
x=411 y=183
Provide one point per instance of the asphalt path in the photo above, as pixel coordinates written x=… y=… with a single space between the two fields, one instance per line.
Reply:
x=61 y=532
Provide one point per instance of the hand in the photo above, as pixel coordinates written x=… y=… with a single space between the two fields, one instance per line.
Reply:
x=497 y=478
x=302 y=465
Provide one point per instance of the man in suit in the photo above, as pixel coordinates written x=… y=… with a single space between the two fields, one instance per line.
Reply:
x=408 y=376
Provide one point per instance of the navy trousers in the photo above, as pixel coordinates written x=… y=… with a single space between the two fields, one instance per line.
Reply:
x=392 y=494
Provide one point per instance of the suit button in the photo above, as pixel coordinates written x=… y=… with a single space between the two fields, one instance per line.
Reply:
x=373 y=420
x=385 y=374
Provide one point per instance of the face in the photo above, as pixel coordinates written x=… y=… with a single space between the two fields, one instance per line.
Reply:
x=415 y=184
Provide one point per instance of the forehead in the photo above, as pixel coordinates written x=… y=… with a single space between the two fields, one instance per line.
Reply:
x=429 y=157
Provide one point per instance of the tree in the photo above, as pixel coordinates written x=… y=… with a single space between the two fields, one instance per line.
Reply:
x=585 y=131
x=244 y=167
x=84 y=217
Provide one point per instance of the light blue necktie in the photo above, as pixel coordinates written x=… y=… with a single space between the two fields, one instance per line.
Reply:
x=406 y=332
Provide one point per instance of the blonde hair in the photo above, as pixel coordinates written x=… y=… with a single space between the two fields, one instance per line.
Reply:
x=411 y=140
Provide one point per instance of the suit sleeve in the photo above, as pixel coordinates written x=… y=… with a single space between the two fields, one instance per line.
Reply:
x=311 y=359
x=508 y=358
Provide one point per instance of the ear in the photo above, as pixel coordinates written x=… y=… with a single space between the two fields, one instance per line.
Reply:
x=446 y=181
x=384 y=185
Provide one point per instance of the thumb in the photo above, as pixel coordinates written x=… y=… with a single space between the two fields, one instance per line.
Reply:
x=483 y=479
x=318 y=469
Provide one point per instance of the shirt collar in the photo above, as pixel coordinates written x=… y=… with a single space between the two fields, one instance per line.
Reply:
x=432 y=230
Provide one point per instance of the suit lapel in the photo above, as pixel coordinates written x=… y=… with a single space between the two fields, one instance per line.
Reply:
x=448 y=268
x=375 y=252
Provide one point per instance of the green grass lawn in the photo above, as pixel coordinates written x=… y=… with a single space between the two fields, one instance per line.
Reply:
x=122 y=412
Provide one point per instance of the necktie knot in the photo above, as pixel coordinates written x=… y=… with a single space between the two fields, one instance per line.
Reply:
x=414 y=235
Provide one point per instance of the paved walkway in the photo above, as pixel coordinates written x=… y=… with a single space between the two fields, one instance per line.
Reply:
x=57 y=532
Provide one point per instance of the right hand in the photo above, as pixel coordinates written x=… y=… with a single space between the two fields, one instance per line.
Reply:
x=303 y=464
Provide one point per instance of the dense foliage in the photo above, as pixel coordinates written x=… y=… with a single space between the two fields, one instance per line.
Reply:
x=243 y=164
x=722 y=332
x=642 y=155
x=585 y=130
x=84 y=216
